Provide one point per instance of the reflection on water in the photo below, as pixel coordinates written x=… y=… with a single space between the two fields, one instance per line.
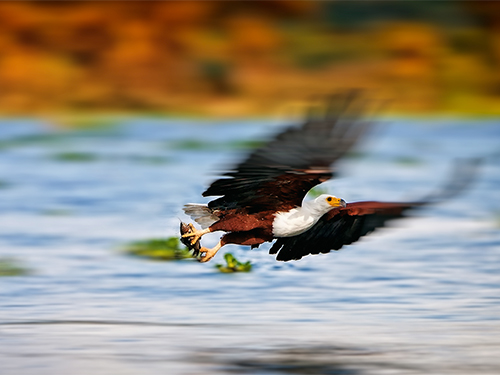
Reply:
x=420 y=298
x=312 y=360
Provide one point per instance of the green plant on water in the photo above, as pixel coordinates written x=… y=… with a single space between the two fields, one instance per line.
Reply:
x=9 y=267
x=196 y=144
x=233 y=265
x=246 y=144
x=32 y=139
x=407 y=160
x=191 y=144
x=75 y=156
x=158 y=249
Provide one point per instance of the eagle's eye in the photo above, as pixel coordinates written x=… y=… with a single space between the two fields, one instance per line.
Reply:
x=329 y=199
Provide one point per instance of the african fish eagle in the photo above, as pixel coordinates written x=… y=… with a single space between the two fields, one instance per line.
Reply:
x=262 y=198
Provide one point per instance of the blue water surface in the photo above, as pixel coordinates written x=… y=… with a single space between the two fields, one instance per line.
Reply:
x=420 y=297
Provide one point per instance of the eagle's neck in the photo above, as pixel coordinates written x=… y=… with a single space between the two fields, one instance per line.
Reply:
x=297 y=220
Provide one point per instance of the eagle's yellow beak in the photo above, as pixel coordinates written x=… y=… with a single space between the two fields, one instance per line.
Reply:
x=336 y=202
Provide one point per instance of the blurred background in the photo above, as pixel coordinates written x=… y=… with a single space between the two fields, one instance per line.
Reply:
x=114 y=114
x=247 y=58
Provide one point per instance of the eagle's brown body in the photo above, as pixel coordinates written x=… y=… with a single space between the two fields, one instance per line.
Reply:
x=243 y=228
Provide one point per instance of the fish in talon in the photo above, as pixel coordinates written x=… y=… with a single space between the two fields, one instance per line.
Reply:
x=187 y=241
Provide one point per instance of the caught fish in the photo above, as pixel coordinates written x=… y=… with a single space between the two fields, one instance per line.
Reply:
x=189 y=228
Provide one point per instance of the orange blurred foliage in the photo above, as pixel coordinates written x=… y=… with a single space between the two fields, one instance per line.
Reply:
x=239 y=58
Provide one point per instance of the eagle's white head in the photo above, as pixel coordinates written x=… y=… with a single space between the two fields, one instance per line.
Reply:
x=324 y=203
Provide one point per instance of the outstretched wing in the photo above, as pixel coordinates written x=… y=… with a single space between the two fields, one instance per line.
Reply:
x=278 y=175
x=339 y=227
x=345 y=225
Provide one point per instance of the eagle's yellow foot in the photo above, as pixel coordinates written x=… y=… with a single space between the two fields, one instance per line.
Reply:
x=195 y=234
x=209 y=253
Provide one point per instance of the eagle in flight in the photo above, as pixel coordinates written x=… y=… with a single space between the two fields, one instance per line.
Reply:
x=262 y=198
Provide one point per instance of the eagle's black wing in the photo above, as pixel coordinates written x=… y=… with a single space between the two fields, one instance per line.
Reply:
x=279 y=174
x=345 y=225
x=339 y=227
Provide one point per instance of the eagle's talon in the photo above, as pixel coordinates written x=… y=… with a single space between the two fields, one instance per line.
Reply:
x=205 y=258
x=207 y=254
x=194 y=234
x=191 y=237
x=201 y=257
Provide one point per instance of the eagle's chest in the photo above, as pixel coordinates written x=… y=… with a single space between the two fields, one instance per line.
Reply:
x=292 y=223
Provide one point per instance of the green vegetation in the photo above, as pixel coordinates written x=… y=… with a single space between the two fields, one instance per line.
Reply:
x=158 y=249
x=233 y=265
x=85 y=157
x=192 y=144
x=73 y=156
x=246 y=144
x=27 y=140
x=9 y=267
x=197 y=144
x=407 y=160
